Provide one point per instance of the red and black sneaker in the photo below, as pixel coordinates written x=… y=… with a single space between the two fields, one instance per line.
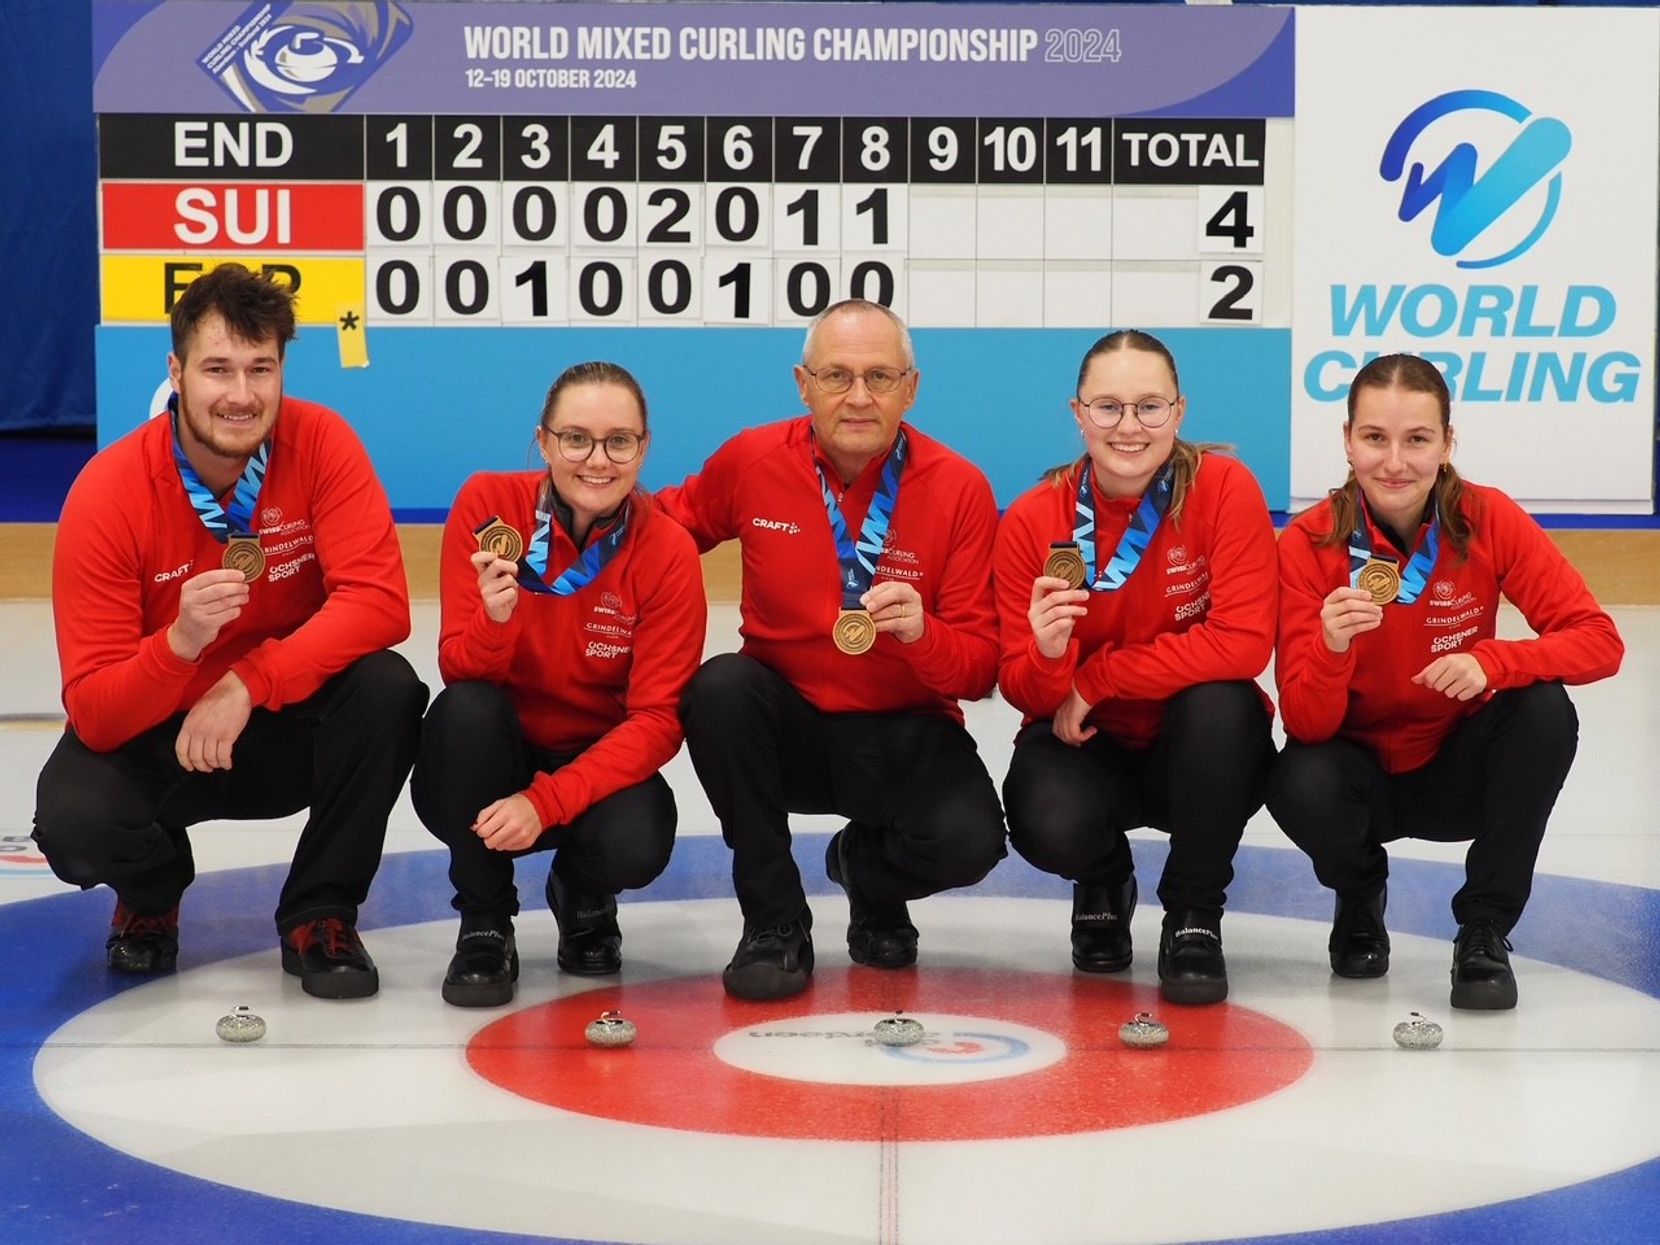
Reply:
x=330 y=960
x=142 y=943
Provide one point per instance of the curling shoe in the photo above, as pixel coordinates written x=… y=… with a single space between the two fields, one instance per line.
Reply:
x=1191 y=967
x=1482 y=979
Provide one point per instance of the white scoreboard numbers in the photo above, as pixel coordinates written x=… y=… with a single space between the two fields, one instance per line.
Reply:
x=712 y=170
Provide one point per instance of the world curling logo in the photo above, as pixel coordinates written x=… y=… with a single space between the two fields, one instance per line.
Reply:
x=1470 y=205
x=285 y=56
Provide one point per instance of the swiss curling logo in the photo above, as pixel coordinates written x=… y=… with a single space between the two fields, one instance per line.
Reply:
x=304 y=55
x=1468 y=205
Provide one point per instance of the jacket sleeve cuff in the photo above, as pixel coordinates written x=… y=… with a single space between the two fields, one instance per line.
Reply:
x=1053 y=667
x=1330 y=662
x=1486 y=654
x=259 y=684
x=544 y=798
x=486 y=635
x=927 y=645
x=166 y=663
x=1093 y=681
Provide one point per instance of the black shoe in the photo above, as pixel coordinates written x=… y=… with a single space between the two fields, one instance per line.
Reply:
x=878 y=935
x=330 y=960
x=1359 y=944
x=1191 y=967
x=1101 y=914
x=773 y=961
x=142 y=945
x=485 y=964
x=590 y=944
x=1481 y=976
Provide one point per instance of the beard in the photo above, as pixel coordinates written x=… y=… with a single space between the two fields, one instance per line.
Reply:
x=202 y=427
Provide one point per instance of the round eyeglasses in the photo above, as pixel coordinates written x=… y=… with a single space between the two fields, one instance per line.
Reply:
x=576 y=446
x=1105 y=413
x=840 y=380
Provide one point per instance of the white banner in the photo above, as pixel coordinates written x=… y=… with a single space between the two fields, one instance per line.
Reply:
x=1479 y=187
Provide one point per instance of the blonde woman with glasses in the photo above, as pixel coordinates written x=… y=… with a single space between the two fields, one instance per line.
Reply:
x=1135 y=594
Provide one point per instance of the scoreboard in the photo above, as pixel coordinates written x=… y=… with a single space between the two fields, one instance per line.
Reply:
x=680 y=188
x=952 y=221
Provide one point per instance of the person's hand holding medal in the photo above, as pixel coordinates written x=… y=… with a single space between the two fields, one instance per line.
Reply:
x=1059 y=599
x=497 y=564
x=1346 y=613
x=895 y=609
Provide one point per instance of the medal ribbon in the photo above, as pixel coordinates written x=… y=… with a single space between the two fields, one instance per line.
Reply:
x=858 y=559
x=1144 y=525
x=222 y=522
x=533 y=571
x=1415 y=574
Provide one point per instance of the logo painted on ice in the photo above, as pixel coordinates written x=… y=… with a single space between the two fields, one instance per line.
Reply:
x=1470 y=204
x=19 y=857
x=964 y=1048
x=304 y=55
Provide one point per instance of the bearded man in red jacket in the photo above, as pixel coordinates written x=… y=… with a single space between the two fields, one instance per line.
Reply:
x=226 y=584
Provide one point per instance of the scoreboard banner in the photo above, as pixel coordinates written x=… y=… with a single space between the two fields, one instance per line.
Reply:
x=471 y=196
x=1480 y=188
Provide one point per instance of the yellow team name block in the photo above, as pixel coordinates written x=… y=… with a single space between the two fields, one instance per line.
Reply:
x=142 y=289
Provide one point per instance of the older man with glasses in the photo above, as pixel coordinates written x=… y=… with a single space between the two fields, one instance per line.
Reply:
x=867 y=615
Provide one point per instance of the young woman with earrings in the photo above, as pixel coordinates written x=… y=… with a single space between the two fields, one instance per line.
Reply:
x=1407 y=716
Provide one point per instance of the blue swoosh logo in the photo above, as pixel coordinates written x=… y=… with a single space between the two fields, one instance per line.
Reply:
x=1470 y=204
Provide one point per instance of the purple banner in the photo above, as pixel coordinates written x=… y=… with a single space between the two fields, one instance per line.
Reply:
x=382 y=57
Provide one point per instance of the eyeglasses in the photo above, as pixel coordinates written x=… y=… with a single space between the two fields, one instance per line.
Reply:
x=840 y=380
x=1106 y=413
x=576 y=446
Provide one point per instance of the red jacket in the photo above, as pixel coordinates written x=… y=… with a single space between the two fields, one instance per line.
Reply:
x=600 y=670
x=1199 y=608
x=1367 y=693
x=333 y=589
x=760 y=488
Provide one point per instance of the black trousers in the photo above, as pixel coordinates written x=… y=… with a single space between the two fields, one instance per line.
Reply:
x=473 y=753
x=1200 y=781
x=1493 y=784
x=923 y=811
x=119 y=817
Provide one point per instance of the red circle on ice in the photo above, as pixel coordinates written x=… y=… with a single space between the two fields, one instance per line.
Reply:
x=1218 y=1057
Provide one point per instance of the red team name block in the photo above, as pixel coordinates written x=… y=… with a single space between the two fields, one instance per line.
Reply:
x=220 y=216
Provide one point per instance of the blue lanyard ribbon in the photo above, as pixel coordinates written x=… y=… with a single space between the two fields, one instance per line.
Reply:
x=858 y=559
x=1415 y=574
x=533 y=571
x=1144 y=525
x=223 y=522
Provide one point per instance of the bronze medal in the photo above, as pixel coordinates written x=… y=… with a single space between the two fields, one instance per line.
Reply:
x=1381 y=578
x=502 y=540
x=1066 y=561
x=855 y=632
x=242 y=553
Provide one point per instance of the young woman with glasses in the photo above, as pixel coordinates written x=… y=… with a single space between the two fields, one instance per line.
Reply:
x=1407 y=716
x=1135 y=592
x=573 y=615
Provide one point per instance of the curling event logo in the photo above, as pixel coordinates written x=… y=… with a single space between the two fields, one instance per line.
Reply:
x=297 y=56
x=1468 y=205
